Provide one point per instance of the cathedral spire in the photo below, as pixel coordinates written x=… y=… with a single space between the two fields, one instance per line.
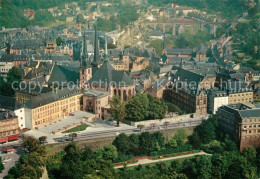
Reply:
x=84 y=57
x=96 y=60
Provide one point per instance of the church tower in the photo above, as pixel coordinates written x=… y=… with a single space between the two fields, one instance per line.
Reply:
x=96 y=63
x=85 y=67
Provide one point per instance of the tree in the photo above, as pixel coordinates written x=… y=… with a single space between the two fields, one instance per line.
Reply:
x=250 y=154
x=59 y=41
x=145 y=143
x=2 y=167
x=28 y=171
x=87 y=154
x=42 y=139
x=137 y=108
x=71 y=165
x=173 y=143
x=35 y=160
x=108 y=152
x=73 y=135
x=180 y=136
x=122 y=143
x=31 y=144
x=157 y=108
x=206 y=131
x=14 y=77
x=140 y=126
x=117 y=109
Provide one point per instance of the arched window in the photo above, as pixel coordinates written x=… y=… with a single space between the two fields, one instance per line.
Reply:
x=124 y=95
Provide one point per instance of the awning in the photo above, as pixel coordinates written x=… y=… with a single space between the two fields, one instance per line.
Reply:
x=15 y=137
x=2 y=140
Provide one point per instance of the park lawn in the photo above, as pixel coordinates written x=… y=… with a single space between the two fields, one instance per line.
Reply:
x=167 y=162
x=81 y=127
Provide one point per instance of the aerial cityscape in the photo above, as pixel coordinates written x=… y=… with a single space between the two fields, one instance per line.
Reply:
x=126 y=89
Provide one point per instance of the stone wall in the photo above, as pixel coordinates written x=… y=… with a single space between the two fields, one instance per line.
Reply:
x=249 y=141
x=94 y=144
x=174 y=118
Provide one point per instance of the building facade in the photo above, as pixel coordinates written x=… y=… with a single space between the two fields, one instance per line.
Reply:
x=242 y=122
x=9 y=127
x=49 y=107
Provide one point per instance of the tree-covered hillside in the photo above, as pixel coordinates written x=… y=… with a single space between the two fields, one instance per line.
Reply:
x=227 y=9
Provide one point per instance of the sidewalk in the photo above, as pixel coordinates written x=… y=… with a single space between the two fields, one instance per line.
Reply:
x=147 y=161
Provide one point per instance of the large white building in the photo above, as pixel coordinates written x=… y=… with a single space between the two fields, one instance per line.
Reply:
x=216 y=99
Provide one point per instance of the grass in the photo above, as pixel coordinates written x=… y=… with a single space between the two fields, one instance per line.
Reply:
x=81 y=127
x=167 y=162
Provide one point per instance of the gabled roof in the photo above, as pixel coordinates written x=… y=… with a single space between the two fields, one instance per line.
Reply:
x=108 y=76
x=64 y=74
x=9 y=103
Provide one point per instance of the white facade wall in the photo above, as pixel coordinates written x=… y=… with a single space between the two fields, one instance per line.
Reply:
x=218 y=102
x=24 y=118
x=5 y=67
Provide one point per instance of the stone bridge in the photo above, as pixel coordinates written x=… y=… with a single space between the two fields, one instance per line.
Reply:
x=177 y=22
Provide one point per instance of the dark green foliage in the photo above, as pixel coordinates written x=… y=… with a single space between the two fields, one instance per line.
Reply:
x=227 y=9
x=14 y=77
x=122 y=143
x=143 y=106
x=173 y=108
x=2 y=167
x=31 y=163
x=59 y=41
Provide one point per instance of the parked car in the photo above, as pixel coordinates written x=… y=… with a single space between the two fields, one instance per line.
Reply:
x=60 y=140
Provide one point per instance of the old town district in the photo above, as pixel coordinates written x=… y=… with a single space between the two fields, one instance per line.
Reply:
x=84 y=75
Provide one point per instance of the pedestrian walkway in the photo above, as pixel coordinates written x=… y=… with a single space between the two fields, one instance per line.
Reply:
x=148 y=161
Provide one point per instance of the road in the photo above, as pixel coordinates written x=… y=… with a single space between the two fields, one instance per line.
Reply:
x=9 y=161
x=147 y=161
x=114 y=132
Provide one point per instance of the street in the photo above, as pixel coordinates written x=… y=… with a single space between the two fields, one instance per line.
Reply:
x=9 y=161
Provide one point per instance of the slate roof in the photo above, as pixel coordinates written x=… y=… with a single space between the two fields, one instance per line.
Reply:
x=33 y=89
x=189 y=76
x=201 y=49
x=44 y=68
x=51 y=97
x=177 y=51
x=96 y=93
x=63 y=74
x=108 y=76
x=28 y=44
x=13 y=57
x=9 y=103
x=243 y=110
x=161 y=82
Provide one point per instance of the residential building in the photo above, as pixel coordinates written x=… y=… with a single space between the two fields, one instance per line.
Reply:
x=8 y=61
x=238 y=92
x=216 y=99
x=242 y=122
x=9 y=127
